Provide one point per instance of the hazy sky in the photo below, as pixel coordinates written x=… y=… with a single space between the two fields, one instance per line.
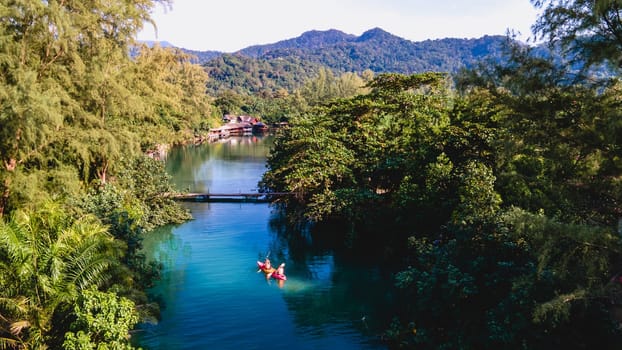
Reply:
x=230 y=25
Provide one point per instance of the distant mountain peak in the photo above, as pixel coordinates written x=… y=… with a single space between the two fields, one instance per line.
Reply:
x=375 y=31
x=376 y=34
x=329 y=33
x=320 y=38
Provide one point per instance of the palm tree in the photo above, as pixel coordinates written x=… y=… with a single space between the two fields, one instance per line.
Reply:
x=46 y=259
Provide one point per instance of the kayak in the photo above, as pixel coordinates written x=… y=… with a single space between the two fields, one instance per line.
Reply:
x=271 y=272
x=278 y=276
x=263 y=268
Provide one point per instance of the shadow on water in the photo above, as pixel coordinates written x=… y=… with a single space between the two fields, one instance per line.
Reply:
x=329 y=284
x=212 y=294
x=168 y=250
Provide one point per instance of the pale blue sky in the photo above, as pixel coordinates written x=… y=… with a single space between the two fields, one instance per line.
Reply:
x=230 y=25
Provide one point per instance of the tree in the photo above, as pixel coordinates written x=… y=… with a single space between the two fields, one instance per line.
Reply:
x=147 y=185
x=591 y=29
x=71 y=93
x=73 y=104
x=439 y=177
x=544 y=280
x=356 y=152
x=30 y=102
x=171 y=89
x=555 y=143
x=103 y=321
x=47 y=260
x=326 y=86
x=229 y=102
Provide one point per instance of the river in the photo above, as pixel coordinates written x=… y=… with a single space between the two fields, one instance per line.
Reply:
x=212 y=295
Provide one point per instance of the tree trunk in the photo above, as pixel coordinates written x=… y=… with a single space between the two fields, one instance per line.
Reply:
x=102 y=173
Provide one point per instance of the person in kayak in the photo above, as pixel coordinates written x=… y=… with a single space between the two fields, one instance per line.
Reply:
x=280 y=275
x=266 y=267
x=281 y=270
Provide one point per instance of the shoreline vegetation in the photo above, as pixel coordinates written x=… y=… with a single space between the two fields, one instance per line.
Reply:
x=496 y=191
x=77 y=191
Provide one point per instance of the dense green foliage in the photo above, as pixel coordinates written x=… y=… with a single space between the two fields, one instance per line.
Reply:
x=590 y=29
x=248 y=75
x=78 y=112
x=73 y=103
x=501 y=200
x=280 y=105
x=47 y=260
x=106 y=319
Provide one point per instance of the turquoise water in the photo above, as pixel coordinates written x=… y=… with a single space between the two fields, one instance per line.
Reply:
x=214 y=298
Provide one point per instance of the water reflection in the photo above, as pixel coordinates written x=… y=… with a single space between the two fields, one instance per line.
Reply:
x=234 y=164
x=173 y=254
x=214 y=297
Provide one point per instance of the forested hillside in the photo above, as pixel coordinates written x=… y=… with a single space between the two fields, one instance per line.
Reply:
x=381 y=51
x=246 y=75
x=287 y=64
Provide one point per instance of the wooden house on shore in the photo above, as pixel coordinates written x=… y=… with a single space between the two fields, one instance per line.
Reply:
x=237 y=126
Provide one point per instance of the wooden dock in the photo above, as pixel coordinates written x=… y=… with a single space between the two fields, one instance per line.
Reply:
x=254 y=197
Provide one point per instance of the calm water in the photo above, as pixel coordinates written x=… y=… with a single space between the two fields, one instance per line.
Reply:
x=213 y=296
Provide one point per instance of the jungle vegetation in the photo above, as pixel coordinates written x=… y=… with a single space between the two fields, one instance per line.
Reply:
x=77 y=114
x=497 y=192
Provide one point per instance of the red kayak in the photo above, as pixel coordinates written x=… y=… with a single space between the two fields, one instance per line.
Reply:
x=271 y=272
x=263 y=268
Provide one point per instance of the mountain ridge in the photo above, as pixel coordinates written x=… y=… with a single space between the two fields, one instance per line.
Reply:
x=314 y=40
x=286 y=64
x=379 y=50
x=309 y=39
